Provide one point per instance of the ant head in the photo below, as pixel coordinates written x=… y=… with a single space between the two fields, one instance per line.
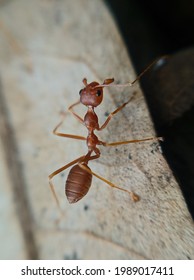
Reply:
x=92 y=94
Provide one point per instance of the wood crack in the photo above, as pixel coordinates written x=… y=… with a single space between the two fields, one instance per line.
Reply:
x=17 y=179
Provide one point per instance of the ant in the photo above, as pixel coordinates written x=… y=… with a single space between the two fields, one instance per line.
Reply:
x=80 y=176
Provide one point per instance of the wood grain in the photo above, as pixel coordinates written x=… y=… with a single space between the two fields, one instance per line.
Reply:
x=47 y=48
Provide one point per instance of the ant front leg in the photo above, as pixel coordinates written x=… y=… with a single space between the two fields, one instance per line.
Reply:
x=78 y=137
x=115 y=112
x=70 y=109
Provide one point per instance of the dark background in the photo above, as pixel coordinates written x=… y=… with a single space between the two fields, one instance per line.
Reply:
x=150 y=30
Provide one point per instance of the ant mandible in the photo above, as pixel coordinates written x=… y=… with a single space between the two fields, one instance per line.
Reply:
x=80 y=176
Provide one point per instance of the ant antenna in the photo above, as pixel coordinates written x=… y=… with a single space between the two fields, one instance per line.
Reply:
x=84 y=81
x=107 y=82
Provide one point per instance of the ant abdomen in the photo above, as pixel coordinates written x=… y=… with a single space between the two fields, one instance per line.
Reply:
x=78 y=183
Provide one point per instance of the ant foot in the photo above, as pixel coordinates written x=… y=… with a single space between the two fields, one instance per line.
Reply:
x=135 y=197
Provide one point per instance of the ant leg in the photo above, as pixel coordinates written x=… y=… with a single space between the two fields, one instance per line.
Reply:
x=67 y=135
x=88 y=157
x=116 y=111
x=59 y=171
x=133 y=196
x=131 y=141
x=70 y=109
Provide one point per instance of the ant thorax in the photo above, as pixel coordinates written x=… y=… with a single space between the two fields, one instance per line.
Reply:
x=91 y=119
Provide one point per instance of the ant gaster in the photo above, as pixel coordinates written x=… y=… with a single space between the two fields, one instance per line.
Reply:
x=80 y=176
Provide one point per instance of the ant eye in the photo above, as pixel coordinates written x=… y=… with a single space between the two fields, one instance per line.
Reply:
x=80 y=91
x=98 y=93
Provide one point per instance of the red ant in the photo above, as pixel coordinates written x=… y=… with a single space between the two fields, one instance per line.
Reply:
x=80 y=176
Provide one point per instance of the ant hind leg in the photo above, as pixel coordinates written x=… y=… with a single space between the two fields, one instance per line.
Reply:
x=131 y=141
x=133 y=195
x=59 y=171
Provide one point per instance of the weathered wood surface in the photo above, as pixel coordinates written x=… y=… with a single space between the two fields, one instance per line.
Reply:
x=46 y=48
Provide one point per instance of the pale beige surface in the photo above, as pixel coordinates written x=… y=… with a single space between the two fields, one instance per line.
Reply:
x=47 y=47
x=10 y=231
